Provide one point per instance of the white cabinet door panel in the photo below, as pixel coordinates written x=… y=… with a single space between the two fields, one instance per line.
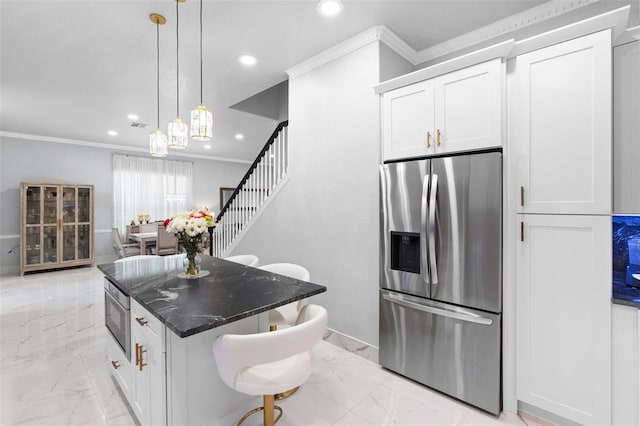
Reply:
x=119 y=365
x=625 y=349
x=468 y=107
x=562 y=126
x=407 y=117
x=563 y=302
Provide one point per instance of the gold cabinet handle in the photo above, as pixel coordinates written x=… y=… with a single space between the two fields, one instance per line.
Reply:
x=438 y=137
x=428 y=139
x=142 y=321
x=522 y=196
x=141 y=350
x=137 y=354
x=115 y=364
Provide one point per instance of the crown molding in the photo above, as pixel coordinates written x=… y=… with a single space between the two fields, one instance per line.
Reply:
x=377 y=33
x=616 y=20
x=110 y=146
x=500 y=50
x=630 y=35
x=401 y=47
x=535 y=15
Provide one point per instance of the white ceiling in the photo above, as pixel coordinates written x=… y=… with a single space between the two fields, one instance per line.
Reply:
x=74 y=69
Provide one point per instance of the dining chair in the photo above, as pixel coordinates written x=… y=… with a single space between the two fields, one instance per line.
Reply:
x=268 y=363
x=166 y=243
x=124 y=250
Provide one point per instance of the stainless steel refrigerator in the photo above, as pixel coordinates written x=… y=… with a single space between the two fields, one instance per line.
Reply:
x=441 y=274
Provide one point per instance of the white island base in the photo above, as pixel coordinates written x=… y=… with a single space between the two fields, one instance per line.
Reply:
x=179 y=382
x=195 y=393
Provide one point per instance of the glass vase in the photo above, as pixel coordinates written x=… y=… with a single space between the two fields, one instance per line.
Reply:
x=192 y=264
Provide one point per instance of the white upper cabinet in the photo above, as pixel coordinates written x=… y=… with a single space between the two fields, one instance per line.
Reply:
x=459 y=111
x=408 y=121
x=561 y=127
x=468 y=107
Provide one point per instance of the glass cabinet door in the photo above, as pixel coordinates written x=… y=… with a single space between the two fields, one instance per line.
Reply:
x=50 y=242
x=69 y=204
x=84 y=223
x=32 y=248
x=84 y=241
x=69 y=242
x=84 y=205
x=33 y=197
x=50 y=203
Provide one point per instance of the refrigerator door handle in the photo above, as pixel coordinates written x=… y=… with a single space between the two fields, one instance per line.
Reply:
x=433 y=263
x=423 y=229
x=451 y=312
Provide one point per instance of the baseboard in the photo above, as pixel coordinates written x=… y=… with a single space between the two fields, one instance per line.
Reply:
x=541 y=416
x=351 y=344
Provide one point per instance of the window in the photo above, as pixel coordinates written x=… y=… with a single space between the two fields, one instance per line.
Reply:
x=154 y=187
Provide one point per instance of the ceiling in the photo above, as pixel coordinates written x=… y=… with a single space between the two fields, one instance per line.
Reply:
x=75 y=69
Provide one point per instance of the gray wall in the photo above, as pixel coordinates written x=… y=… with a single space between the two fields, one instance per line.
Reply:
x=326 y=218
x=45 y=162
x=626 y=128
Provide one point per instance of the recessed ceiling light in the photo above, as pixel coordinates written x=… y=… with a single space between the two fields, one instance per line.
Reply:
x=248 y=60
x=329 y=7
x=239 y=136
x=133 y=117
x=112 y=133
x=207 y=146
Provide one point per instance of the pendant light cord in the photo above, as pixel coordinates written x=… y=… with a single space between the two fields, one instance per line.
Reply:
x=158 y=72
x=200 y=52
x=177 y=64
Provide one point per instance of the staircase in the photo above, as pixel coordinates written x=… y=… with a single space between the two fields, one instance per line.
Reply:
x=263 y=179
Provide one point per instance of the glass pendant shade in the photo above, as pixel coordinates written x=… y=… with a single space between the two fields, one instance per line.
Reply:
x=178 y=134
x=158 y=144
x=201 y=123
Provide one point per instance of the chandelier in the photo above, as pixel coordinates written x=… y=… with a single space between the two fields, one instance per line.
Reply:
x=178 y=129
x=157 y=139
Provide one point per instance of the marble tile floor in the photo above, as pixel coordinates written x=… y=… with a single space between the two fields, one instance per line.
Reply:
x=53 y=369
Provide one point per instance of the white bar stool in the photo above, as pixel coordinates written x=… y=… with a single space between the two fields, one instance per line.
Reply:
x=268 y=363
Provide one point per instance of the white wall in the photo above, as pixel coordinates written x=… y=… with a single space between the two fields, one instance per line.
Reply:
x=326 y=218
x=36 y=161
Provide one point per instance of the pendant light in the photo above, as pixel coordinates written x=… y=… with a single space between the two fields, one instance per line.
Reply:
x=201 y=117
x=157 y=139
x=178 y=129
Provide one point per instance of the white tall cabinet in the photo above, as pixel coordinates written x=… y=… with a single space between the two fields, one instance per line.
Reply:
x=560 y=131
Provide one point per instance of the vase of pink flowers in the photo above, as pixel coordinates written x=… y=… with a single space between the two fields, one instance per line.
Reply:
x=189 y=228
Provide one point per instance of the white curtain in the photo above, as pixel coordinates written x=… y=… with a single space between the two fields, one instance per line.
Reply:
x=149 y=186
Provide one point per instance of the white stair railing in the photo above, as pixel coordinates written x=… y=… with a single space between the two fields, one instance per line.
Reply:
x=258 y=184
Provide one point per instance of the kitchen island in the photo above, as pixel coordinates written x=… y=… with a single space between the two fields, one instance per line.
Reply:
x=173 y=323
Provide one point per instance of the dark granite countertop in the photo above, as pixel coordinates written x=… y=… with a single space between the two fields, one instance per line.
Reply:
x=624 y=294
x=189 y=306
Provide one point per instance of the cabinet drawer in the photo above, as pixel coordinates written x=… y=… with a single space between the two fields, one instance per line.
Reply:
x=119 y=366
x=148 y=325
